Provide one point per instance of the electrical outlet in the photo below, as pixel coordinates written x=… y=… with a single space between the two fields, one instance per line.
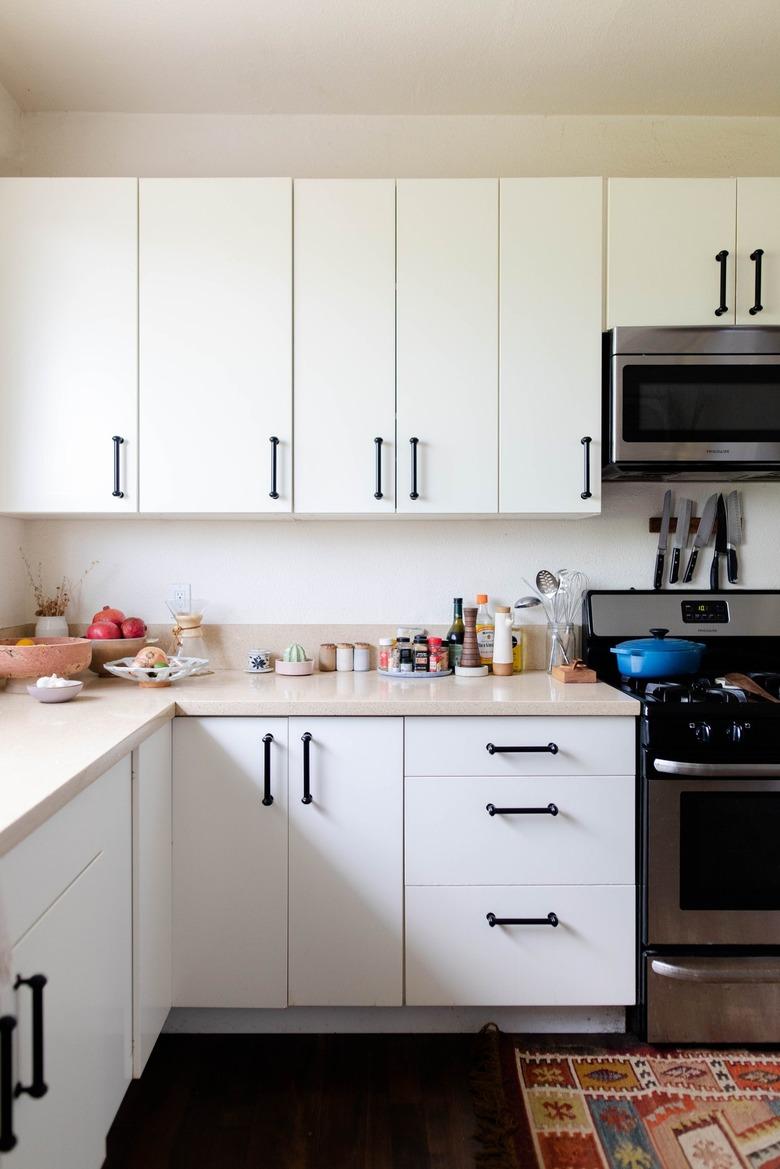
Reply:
x=181 y=596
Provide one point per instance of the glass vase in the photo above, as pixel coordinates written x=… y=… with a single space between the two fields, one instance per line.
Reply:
x=561 y=644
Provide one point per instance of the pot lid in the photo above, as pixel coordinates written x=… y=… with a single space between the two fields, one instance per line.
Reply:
x=658 y=643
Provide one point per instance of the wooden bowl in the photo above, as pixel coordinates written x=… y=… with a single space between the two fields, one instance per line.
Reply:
x=110 y=649
x=48 y=655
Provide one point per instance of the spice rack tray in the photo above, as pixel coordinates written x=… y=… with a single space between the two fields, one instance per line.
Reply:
x=414 y=674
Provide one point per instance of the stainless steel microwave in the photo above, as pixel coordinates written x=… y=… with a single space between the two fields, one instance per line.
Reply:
x=692 y=403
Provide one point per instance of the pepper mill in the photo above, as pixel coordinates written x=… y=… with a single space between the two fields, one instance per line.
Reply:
x=470 y=656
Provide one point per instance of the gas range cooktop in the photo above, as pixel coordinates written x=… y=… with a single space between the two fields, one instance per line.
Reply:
x=704 y=690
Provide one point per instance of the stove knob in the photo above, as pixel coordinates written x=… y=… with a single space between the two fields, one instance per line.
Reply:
x=702 y=732
x=735 y=732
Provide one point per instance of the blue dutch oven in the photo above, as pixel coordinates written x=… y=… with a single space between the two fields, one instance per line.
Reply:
x=657 y=657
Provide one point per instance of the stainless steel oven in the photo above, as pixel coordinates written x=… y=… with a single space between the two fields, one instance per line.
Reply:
x=685 y=403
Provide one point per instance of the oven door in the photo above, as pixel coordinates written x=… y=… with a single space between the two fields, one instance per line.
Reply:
x=713 y=858
x=691 y=408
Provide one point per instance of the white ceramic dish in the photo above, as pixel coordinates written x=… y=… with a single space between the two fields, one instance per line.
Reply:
x=175 y=671
x=471 y=671
x=295 y=669
x=414 y=673
x=55 y=693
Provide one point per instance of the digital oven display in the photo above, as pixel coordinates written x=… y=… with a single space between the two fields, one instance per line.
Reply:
x=705 y=613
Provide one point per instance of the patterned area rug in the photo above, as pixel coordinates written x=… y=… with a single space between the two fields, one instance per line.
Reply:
x=625 y=1107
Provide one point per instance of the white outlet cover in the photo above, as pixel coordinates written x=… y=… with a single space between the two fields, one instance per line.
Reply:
x=181 y=597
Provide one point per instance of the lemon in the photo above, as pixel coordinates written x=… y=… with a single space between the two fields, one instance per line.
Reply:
x=25 y=641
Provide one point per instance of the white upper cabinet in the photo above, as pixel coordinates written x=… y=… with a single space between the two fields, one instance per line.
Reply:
x=68 y=345
x=758 y=241
x=664 y=237
x=551 y=295
x=344 y=345
x=447 y=345
x=215 y=289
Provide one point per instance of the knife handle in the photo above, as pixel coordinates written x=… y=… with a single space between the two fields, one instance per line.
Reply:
x=688 y=575
x=659 y=571
x=674 y=567
x=731 y=565
x=715 y=572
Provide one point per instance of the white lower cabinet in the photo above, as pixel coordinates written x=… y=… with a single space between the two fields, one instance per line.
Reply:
x=346 y=862
x=230 y=862
x=455 y=957
x=81 y=945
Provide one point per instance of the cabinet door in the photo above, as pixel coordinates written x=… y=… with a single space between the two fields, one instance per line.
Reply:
x=346 y=863
x=151 y=893
x=663 y=237
x=82 y=945
x=229 y=863
x=215 y=295
x=68 y=345
x=447 y=345
x=344 y=345
x=550 y=343
x=758 y=227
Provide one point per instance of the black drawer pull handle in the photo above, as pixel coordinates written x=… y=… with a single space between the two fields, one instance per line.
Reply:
x=7 y=1138
x=268 y=799
x=414 y=493
x=274 y=441
x=756 y=257
x=306 y=797
x=117 y=440
x=550 y=810
x=378 y=494
x=549 y=749
x=551 y=919
x=722 y=258
x=586 y=492
x=38 y=1086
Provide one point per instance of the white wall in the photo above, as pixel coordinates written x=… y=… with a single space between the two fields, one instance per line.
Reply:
x=369 y=146
x=319 y=571
x=10 y=134
x=15 y=595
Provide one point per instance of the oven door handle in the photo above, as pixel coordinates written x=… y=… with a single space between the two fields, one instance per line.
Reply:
x=716 y=770
x=718 y=969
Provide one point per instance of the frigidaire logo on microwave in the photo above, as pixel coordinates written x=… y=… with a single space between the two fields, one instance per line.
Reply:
x=718 y=450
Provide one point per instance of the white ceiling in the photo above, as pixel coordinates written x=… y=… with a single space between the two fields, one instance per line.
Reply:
x=393 y=56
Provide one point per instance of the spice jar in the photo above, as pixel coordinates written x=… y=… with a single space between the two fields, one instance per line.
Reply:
x=405 y=660
x=327 y=657
x=385 y=653
x=362 y=657
x=438 y=655
x=421 y=654
x=345 y=656
x=401 y=644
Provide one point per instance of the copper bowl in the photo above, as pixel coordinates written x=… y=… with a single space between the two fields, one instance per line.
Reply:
x=47 y=655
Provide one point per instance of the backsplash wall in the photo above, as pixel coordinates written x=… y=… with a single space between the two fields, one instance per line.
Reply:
x=370 y=571
x=15 y=595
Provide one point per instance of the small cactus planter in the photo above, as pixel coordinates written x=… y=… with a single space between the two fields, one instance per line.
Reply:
x=294 y=662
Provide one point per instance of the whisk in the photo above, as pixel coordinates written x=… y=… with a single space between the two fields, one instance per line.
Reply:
x=568 y=600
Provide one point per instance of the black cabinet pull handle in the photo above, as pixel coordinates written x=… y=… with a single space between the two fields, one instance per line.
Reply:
x=722 y=258
x=274 y=441
x=414 y=494
x=306 y=797
x=7 y=1138
x=586 y=492
x=550 y=810
x=549 y=749
x=38 y=1087
x=378 y=449
x=551 y=919
x=268 y=799
x=117 y=440
x=756 y=257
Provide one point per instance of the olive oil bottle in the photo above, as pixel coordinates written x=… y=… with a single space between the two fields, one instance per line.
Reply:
x=454 y=638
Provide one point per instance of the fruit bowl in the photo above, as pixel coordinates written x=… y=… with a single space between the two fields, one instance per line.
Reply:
x=110 y=648
x=47 y=655
x=174 y=671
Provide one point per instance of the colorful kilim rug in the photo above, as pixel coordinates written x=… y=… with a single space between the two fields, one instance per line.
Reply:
x=625 y=1107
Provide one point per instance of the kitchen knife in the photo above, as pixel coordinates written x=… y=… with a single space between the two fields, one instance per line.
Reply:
x=663 y=540
x=680 y=538
x=734 y=529
x=721 y=546
x=702 y=537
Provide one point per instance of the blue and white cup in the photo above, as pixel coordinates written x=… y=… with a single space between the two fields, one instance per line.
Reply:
x=259 y=661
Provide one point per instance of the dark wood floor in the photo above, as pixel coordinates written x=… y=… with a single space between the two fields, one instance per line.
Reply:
x=299 y=1102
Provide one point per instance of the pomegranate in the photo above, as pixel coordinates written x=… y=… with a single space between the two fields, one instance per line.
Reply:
x=109 y=614
x=103 y=631
x=133 y=627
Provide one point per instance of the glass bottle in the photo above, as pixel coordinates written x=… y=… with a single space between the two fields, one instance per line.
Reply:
x=485 y=630
x=455 y=632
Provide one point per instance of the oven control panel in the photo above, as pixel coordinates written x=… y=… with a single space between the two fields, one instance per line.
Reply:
x=700 y=612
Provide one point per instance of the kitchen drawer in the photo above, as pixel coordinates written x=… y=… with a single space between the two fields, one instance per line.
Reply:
x=454 y=957
x=451 y=839
x=458 y=746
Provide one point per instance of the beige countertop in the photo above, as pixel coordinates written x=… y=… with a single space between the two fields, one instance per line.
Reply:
x=48 y=753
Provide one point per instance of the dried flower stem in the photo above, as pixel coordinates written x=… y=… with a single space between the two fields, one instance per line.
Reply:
x=52 y=604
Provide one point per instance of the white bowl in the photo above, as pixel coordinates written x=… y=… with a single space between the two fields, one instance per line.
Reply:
x=176 y=669
x=295 y=669
x=55 y=693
